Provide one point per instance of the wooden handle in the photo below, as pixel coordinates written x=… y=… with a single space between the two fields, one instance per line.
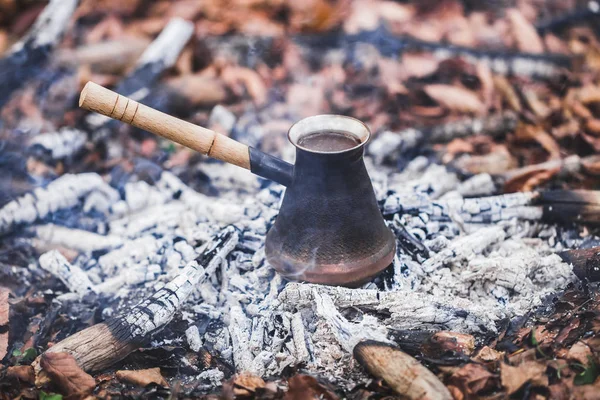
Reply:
x=106 y=102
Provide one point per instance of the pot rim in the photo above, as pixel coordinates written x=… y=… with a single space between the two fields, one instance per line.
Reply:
x=329 y=122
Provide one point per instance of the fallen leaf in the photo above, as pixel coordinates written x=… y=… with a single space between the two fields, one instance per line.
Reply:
x=487 y=354
x=472 y=379
x=531 y=132
x=444 y=341
x=593 y=126
x=404 y=374
x=24 y=373
x=495 y=162
x=579 y=352
x=142 y=377
x=305 y=387
x=589 y=94
x=513 y=378
x=524 y=33
x=4 y=307
x=509 y=94
x=250 y=79
x=455 y=98
x=245 y=384
x=418 y=65
x=63 y=370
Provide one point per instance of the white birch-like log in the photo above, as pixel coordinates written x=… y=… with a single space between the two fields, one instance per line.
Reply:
x=162 y=54
x=64 y=192
x=74 y=278
x=75 y=239
x=49 y=25
x=59 y=145
x=101 y=345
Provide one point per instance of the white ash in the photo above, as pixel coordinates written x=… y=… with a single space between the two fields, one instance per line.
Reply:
x=74 y=278
x=62 y=144
x=482 y=266
x=75 y=239
x=193 y=338
x=64 y=192
x=221 y=119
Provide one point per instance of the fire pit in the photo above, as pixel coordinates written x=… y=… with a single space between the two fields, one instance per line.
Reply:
x=429 y=229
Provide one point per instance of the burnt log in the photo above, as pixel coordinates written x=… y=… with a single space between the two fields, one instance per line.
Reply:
x=159 y=56
x=388 y=146
x=585 y=262
x=103 y=344
x=542 y=66
x=27 y=58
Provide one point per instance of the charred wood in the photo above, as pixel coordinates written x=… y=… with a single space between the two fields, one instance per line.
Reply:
x=590 y=14
x=400 y=371
x=59 y=145
x=64 y=192
x=159 y=56
x=390 y=45
x=101 y=345
x=585 y=262
x=388 y=146
x=26 y=59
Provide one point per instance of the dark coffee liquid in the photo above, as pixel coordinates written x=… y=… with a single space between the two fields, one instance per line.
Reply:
x=328 y=141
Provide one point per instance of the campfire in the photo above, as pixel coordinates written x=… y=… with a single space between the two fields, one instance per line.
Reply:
x=274 y=200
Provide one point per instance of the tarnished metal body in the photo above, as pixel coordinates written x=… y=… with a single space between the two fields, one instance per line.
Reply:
x=329 y=229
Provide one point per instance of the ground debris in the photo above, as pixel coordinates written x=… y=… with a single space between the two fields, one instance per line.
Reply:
x=62 y=369
x=400 y=371
x=142 y=377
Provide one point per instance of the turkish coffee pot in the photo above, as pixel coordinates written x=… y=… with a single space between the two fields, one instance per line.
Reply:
x=329 y=229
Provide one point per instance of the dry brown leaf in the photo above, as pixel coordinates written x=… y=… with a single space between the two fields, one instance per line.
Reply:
x=592 y=141
x=245 y=384
x=530 y=132
x=524 y=33
x=305 y=387
x=63 y=370
x=543 y=336
x=3 y=344
x=486 y=78
x=455 y=98
x=513 y=378
x=24 y=373
x=4 y=315
x=250 y=79
x=198 y=90
x=444 y=341
x=496 y=162
x=142 y=377
x=593 y=126
x=589 y=94
x=472 y=379
x=4 y=306
x=314 y=15
x=418 y=65
x=405 y=375
x=487 y=354
x=540 y=109
x=568 y=129
x=508 y=92
x=580 y=352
